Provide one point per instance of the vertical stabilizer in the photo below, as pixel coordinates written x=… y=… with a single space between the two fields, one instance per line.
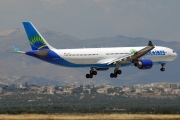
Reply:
x=36 y=40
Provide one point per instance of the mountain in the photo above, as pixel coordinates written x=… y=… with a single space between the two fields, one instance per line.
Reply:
x=18 y=68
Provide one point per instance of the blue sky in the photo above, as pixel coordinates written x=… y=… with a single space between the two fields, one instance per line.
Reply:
x=85 y=19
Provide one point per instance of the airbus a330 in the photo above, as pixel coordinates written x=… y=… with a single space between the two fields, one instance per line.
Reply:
x=97 y=59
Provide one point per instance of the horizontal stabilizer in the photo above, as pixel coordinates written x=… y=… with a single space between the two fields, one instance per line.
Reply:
x=42 y=53
x=39 y=53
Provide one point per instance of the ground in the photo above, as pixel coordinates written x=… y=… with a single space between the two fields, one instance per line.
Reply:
x=89 y=117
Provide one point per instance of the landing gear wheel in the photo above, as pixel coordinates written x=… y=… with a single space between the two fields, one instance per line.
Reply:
x=115 y=75
x=112 y=75
x=119 y=72
x=91 y=76
x=162 y=69
x=94 y=72
x=87 y=75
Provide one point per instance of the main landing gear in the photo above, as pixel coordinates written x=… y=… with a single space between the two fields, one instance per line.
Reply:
x=162 y=69
x=116 y=71
x=115 y=74
x=91 y=73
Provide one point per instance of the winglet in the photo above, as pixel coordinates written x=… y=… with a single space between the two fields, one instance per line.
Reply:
x=16 y=50
x=150 y=43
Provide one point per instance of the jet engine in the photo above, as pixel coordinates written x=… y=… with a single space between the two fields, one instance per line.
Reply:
x=144 y=64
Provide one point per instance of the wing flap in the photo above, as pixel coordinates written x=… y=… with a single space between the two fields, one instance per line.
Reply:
x=120 y=59
x=134 y=56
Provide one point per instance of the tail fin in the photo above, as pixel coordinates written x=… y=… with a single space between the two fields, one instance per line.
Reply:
x=36 y=40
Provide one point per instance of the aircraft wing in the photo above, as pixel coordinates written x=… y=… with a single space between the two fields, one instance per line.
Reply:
x=134 y=56
x=42 y=53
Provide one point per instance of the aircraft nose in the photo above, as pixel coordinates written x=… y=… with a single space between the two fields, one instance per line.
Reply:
x=174 y=55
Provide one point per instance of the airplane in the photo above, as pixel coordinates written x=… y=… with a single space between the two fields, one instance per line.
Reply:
x=97 y=59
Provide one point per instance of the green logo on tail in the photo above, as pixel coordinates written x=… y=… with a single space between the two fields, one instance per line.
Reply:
x=37 y=41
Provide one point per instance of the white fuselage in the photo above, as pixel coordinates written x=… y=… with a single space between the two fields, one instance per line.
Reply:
x=103 y=55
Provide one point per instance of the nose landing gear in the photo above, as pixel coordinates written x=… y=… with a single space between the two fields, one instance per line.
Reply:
x=162 y=69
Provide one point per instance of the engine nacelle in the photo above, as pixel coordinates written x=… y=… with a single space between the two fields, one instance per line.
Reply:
x=144 y=64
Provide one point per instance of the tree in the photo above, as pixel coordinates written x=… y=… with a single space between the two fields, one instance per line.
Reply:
x=110 y=90
x=93 y=90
